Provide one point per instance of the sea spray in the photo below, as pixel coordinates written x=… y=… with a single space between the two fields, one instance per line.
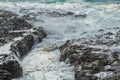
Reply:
x=99 y=16
x=36 y=40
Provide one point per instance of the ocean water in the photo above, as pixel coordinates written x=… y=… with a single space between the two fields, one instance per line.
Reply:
x=42 y=62
x=53 y=1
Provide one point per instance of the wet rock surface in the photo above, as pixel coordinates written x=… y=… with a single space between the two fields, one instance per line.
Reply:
x=11 y=27
x=9 y=23
x=50 y=13
x=10 y=67
x=5 y=75
x=40 y=33
x=23 y=46
x=95 y=57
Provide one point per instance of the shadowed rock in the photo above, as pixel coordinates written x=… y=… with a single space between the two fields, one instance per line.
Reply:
x=5 y=75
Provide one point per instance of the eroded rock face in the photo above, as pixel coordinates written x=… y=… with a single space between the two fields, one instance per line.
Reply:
x=10 y=67
x=93 y=55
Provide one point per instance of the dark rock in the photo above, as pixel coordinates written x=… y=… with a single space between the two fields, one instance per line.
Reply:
x=3 y=32
x=59 y=14
x=2 y=41
x=115 y=56
x=4 y=13
x=9 y=26
x=17 y=24
x=101 y=30
x=10 y=21
x=109 y=33
x=19 y=47
x=23 y=46
x=81 y=15
x=5 y=75
x=117 y=37
x=29 y=40
x=55 y=13
x=11 y=66
x=40 y=33
x=89 y=58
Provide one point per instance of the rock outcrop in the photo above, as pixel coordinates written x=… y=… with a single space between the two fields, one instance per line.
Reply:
x=10 y=67
x=23 y=46
x=9 y=23
x=11 y=27
x=55 y=13
x=94 y=58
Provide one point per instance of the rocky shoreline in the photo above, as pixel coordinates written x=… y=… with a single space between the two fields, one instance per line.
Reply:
x=11 y=27
x=94 y=57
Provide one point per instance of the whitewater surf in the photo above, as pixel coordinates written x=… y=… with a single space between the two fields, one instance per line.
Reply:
x=62 y=20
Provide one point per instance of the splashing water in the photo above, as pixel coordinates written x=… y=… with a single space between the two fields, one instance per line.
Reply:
x=42 y=63
x=42 y=1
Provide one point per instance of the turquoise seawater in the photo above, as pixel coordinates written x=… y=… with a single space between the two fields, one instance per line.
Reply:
x=54 y=1
x=42 y=1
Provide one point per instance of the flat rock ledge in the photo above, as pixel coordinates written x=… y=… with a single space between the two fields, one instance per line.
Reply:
x=11 y=27
x=96 y=57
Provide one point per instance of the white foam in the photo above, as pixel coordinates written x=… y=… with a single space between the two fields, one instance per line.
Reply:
x=5 y=49
x=42 y=65
x=45 y=65
x=102 y=75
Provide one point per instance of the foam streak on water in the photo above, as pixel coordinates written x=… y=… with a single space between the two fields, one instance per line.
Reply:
x=42 y=63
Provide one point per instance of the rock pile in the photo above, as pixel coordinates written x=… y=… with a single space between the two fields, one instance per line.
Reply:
x=94 y=57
